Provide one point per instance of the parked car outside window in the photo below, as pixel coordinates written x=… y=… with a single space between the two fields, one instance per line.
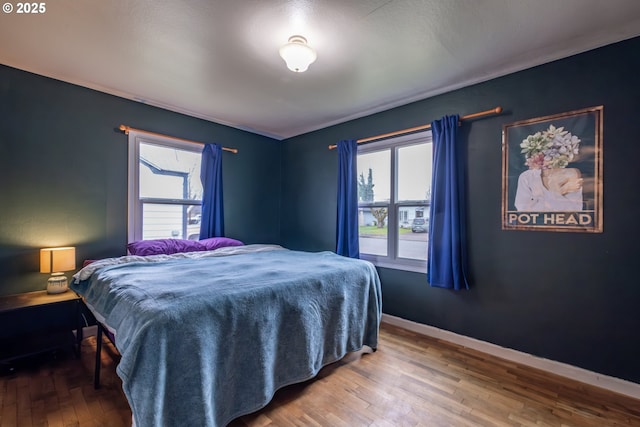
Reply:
x=419 y=225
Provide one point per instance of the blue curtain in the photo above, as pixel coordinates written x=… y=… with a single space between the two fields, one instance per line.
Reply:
x=212 y=223
x=347 y=233
x=447 y=252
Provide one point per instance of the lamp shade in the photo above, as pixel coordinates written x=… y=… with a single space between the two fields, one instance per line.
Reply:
x=297 y=54
x=54 y=260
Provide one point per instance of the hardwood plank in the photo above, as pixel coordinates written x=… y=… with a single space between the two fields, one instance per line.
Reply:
x=24 y=406
x=79 y=405
x=38 y=414
x=9 y=415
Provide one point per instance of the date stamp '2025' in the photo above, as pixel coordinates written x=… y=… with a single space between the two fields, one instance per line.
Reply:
x=25 y=8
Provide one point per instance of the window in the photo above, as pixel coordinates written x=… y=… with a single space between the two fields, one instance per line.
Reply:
x=165 y=192
x=394 y=192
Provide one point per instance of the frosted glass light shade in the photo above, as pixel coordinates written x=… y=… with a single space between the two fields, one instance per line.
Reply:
x=297 y=54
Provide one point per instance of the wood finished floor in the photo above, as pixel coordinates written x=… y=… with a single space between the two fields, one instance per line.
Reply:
x=410 y=381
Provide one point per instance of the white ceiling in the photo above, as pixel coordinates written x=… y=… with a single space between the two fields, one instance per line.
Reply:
x=218 y=60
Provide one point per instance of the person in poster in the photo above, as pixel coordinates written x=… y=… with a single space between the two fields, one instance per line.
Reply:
x=549 y=185
x=552 y=172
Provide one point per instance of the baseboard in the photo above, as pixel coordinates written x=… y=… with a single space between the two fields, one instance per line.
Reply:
x=90 y=331
x=613 y=384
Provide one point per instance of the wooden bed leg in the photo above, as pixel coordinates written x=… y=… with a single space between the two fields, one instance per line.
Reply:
x=96 y=378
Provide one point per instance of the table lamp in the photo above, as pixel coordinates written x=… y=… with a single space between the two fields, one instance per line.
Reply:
x=56 y=261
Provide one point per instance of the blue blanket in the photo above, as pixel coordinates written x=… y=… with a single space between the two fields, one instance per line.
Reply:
x=204 y=341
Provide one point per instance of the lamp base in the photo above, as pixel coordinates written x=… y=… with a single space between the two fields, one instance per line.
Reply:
x=57 y=284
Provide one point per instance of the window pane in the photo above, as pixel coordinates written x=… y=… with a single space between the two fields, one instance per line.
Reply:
x=169 y=173
x=372 y=230
x=414 y=172
x=413 y=232
x=170 y=221
x=374 y=176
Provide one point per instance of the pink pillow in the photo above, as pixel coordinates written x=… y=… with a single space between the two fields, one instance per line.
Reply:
x=164 y=246
x=219 y=242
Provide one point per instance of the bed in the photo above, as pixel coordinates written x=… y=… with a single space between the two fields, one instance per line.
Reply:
x=208 y=336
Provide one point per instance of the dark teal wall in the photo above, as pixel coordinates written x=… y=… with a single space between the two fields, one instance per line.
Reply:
x=569 y=297
x=63 y=173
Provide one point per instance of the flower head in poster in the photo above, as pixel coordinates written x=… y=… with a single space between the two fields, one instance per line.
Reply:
x=553 y=148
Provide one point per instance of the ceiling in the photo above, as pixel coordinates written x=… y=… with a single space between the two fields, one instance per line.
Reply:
x=218 y=60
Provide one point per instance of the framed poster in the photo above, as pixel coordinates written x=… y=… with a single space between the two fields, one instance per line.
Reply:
x=552 y=172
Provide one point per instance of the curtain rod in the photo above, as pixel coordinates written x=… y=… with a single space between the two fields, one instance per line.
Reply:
x=127 y=129
x=496 y=110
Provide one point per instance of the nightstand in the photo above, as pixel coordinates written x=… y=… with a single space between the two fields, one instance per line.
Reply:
x=37 y=322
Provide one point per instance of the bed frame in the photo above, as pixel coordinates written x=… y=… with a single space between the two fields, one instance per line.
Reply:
x=96 y=374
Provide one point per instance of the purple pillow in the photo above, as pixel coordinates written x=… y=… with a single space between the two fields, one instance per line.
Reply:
x=219 y=242
x=164 y=246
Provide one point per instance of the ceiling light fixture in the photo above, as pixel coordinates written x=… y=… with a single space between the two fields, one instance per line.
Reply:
x=297 y=54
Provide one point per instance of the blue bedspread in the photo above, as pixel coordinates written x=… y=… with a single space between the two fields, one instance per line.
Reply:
x=204 y=341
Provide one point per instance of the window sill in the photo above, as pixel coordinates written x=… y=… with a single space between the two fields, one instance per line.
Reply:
x=397 y=265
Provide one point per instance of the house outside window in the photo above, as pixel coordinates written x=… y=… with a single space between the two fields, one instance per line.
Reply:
x=165 y=192
x=394 y=192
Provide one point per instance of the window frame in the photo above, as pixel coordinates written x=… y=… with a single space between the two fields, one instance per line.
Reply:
x=392 y=260
x=135 y=203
